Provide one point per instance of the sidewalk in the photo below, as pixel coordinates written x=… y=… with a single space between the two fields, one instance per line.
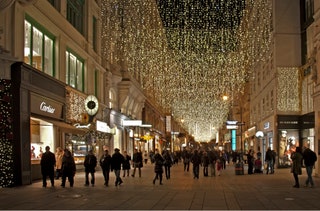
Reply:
x=181 y=192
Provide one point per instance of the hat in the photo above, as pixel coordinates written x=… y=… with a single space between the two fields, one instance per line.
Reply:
x=117 y=150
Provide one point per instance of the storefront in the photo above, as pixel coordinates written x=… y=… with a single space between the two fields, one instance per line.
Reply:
x=294 y=131
x=38 y=99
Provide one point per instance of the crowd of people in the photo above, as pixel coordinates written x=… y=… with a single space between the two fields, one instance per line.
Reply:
x=62 y=164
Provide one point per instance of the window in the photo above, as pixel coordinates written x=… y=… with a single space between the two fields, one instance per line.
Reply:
x=96 y=82
x=112 y=99
x=38 y=47
x=55 y=4
x=75 y=14
x=74 y=71
x=94 y=34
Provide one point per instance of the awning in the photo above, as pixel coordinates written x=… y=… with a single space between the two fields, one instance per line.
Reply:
x=65 y=127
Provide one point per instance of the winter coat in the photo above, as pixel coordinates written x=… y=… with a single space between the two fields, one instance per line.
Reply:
x=48 y=161
x=126 y=164
x=105 y=162
x=296 y=163
x=158 y=163
x=309 y=157
x=68 y=165
x=90 y=163
x=116 y=161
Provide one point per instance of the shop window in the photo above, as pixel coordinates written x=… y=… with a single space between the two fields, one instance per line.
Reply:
x=41 y=135
x=77 y=146
x=74 y=71
x=38 y=47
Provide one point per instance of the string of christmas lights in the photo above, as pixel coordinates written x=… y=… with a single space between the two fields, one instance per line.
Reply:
x=6 y=134
x=188 y=54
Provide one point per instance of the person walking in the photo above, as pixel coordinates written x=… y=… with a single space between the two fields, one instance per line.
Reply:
x=167 y=162
x=145 y=157
x=196 y=162
x=250 y=160
x=90 y=163
x=59 y=156
x=158 y=160
x=296 y=165
x=205 y=163
x=126 y=164
x=48 y=161
x=117 y=160
x=68 y=168
x=137 y=162
x=105 y=163
x=186 y=159
x=269 y=159
x=309 y=158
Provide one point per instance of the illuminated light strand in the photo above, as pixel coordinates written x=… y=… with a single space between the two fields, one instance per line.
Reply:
x=186 y=69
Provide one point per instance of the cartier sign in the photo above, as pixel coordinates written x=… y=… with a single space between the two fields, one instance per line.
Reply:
x=45 y=106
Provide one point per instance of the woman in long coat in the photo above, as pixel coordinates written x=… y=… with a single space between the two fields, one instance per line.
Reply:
x=296 y=169
x=159 y=160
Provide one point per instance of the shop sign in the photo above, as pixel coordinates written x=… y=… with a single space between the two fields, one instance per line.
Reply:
x=232 y=124
x=103 y=127
x=168 y=123
x=46 y=107
x=77 y=125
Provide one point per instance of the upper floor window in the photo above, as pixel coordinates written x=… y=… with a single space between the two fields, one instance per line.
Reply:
x=75 y=14
x=74 y=71
x=94 y=34
x=112 y=99
x=96 y=82
x=55 y=4
x=38 y=47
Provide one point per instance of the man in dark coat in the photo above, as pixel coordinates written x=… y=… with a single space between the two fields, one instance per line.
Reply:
x=309 y=158
x=116 y=161
x=48 y=161
x=90 y=163
x=105 y=163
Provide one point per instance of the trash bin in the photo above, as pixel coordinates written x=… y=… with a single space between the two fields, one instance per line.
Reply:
x=239 y=169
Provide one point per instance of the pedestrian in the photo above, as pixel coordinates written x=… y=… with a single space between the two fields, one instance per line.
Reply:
x=250 y=160
x=105 y=163
x=167 y=162
x=196 y=162
x=90 y=163
x=296 y=158
x=126 y=164
x=220 y=163
x=309 y=158
x=48 y=161
x=186 y=159
x=59 y=156
x=205 y=163
x=269 y=159
x=117 y=160
x=68 y=168
x=212 y=155
x=158 y=160
x=145 y=157
x=137 y=162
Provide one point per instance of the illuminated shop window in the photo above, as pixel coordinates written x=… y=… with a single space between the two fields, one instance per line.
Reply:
x=38 y=47
x=74 y=71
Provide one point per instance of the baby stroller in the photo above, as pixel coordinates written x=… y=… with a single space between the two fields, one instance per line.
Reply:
x=258 y=166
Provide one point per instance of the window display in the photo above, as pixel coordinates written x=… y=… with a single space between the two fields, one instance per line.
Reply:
x=77 y=147
x=41 y=136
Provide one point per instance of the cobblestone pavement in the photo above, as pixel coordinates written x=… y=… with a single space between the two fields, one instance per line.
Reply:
x=225 y=192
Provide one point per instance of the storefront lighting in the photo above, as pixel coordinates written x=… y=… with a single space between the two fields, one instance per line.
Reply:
x=131 y=122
